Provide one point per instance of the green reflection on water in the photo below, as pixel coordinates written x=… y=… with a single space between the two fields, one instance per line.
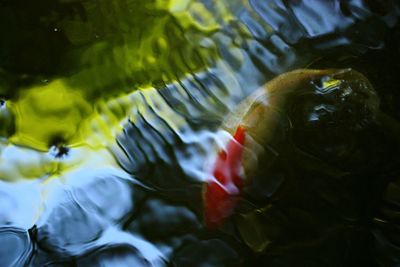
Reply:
x=63 y=56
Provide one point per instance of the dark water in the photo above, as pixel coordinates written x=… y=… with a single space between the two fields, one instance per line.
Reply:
x=111 y=115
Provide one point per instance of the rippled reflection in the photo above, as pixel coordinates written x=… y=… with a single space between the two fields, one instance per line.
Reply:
x=113 y=114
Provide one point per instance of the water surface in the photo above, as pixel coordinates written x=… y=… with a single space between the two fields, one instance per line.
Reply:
x=111 y=116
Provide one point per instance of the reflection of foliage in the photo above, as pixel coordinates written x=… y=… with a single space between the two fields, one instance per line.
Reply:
x=101 y=44
x=94 y=49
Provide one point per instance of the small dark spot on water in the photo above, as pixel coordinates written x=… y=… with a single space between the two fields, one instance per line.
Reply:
x=58 y=147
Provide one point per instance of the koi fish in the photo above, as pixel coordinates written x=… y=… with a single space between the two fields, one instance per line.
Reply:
x=252 y=126
x=221 y=194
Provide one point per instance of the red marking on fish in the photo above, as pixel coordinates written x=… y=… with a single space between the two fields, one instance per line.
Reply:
x=221 y=193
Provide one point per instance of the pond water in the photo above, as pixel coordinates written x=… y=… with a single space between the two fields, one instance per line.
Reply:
x=113 y=133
